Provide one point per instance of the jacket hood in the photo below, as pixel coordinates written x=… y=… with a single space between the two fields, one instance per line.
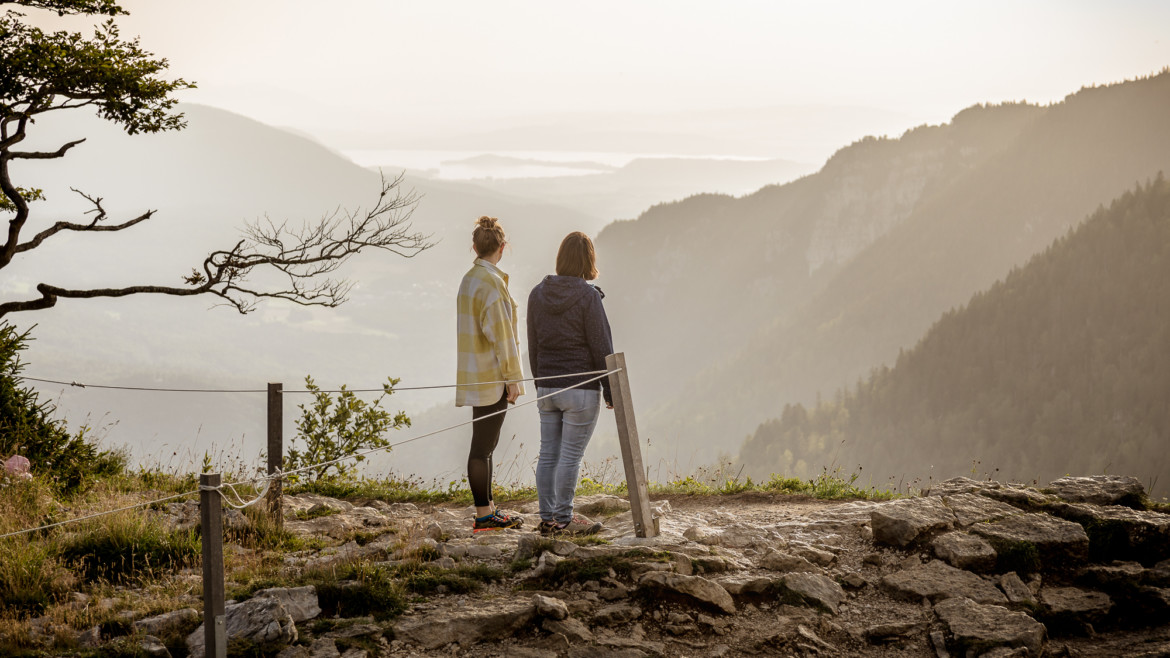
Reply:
x=561 y=293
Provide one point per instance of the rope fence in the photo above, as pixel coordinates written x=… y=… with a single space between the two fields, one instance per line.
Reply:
x=395 y=389
x=213 y=493
x=265 y=481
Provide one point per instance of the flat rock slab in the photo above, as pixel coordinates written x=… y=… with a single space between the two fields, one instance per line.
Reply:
x=903 y=522
x=1120 y=533
x=976 y=628
x=696 y=588
x=1100 y=490
x=964 y=551
x=745 y=584
x=1070 y=604
x=438 y=628
x=786 y=562
x=300 y=602
x=937 y=581
x=972 y=508
x=1029 y=541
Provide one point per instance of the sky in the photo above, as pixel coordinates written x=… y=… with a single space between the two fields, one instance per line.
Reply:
x=377 y=73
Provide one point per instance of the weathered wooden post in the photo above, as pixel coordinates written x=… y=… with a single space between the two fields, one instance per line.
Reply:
x=211 y=525
x=623 y=407
x=276 y=452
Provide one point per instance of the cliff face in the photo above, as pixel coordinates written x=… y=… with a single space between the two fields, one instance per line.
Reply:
x=677 y=277
x=806 y=287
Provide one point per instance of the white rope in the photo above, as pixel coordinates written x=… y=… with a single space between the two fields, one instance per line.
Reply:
x=97 y=514
x=239 y=504
x=394 y=389
x=279 y=474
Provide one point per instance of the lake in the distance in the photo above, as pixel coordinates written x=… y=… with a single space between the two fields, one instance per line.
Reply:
x=468 y=165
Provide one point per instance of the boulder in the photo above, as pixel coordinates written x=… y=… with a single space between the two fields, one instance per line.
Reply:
x=153 y=647
x=1027 y=542
x=600 y=505
x=550 y=608
x=175 y=622
x=778 y=561
x=746 y=585
x=964 y=551
x=262 y=624
x=938 y=581
x=702 y=534
x=811 y=589
x=438 y=628
x=1100 y=490
x=976 y=628
x=1120 y=533
x=894 y=631
x=694 y=588
x=813 y=554
x=300 y=602
x=903 y=522
x=1070 y=608
x=1016 y=590
x=1117 y=576
x=573 y=629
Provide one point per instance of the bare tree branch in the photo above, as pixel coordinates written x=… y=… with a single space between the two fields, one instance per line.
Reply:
x=301 y=256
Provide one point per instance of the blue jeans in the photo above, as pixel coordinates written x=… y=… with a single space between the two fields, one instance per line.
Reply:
x=567 y=420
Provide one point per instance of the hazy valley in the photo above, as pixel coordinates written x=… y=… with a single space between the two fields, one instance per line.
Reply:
x=728 y=307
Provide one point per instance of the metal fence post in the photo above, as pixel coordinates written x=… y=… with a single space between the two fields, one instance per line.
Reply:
x=276 y=452
x=623 y=406
x=211 y=524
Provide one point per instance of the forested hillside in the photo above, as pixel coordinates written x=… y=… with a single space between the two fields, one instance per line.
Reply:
x=1062 y=367
x=698 y=277
x=826 y=310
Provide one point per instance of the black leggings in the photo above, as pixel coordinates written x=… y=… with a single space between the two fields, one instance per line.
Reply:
x=485 y=434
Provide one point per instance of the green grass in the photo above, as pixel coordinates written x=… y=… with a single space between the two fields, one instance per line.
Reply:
x=829 y=485
x=315 y=513
x=128 y=546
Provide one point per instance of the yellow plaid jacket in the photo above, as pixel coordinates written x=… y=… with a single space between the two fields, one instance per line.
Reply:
x=489 y=347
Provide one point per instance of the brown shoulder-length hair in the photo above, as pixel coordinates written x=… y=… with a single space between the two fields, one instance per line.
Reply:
x=576 y=257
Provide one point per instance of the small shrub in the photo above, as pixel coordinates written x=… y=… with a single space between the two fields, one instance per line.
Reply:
x=335 y=429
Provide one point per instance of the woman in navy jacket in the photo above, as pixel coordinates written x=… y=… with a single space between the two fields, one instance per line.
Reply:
x=567 y=333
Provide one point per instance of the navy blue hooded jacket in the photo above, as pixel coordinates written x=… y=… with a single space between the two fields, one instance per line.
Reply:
x=568 y=332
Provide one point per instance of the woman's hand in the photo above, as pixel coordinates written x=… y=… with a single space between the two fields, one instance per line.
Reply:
x=513 y=392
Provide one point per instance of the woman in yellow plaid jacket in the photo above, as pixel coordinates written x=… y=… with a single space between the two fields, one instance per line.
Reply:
x=489 y=354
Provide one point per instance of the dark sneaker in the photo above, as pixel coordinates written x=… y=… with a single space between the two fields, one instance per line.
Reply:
x=580 y=525
x=547 y=527
x=496 y=521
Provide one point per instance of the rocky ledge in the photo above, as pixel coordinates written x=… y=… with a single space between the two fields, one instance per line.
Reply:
x=970 y=568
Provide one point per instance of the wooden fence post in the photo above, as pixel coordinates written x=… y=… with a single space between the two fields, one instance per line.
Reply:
x=211 y=529
x=276 y=452
x=645 y=525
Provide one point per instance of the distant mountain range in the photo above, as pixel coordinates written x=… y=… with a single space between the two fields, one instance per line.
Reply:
x=728 y=308
x=1062 y=367
x=731 y=308
x=205 y=182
